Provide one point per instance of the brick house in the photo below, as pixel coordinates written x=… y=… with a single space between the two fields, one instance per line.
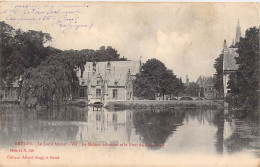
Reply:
x=207 y=85
x=106 y=81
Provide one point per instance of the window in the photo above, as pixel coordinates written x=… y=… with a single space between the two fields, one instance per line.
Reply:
x=115 y=93
x=98 y=81
x=81 y=93
x=98 y=92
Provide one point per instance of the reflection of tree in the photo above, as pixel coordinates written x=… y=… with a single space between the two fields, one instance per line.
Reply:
x=156 y=126
x=213 y=117
x=244 y=136
x=43 y=125
x=219 y=122
x=68 y=114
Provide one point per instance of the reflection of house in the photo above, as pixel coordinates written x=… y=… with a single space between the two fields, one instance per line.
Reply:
x=105 y=126
x=9 y=92
x=229 y=62
x=207 y=86
x=103 y=81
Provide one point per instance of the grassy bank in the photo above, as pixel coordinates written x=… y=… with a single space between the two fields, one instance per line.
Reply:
x=167 y=104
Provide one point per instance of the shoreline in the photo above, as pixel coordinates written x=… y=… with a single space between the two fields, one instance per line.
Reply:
x=163 y=104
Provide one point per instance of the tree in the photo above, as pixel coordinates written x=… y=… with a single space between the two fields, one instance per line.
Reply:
x=243 y=95
x=155 y=78
x=55 y=80
x=218 y=79
x=104 y=54
x=192 y=90
x=21 y=50
x=45 y=85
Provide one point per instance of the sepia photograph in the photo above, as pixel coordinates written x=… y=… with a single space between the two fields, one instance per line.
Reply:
x=114 y=84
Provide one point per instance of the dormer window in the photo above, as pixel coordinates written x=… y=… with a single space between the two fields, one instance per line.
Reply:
x=98 y=81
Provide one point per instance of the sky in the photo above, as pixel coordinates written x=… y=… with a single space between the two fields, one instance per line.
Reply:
x=186 y=37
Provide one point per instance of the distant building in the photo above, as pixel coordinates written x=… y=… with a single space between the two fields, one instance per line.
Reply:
x=229 y=62
x=187 y=81
x=112 y=80
x=9 y=92
x=207 y=86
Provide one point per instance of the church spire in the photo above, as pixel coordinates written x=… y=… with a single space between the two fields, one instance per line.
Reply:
x=238 y=32
x=225 y=44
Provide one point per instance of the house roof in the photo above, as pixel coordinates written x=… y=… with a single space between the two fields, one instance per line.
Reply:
x=201 y=80
x=209 y=82
x=229 y=62
x=205 y=81
x=116 y=76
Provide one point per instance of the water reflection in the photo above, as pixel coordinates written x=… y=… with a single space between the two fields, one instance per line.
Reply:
x=243 y=135
x=179 y=131
x=155 y=127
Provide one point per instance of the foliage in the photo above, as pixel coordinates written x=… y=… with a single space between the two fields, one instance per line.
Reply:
x=21 y=50
x=45 y=84
x=156 y=78
x=218 y=79
x=192 y=90
x=105 y=54
x=243 y=95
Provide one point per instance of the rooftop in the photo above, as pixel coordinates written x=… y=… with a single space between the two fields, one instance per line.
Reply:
x=117 y=74
x=229 y=62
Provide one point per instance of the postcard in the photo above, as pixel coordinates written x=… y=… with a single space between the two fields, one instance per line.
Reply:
x=129 y=84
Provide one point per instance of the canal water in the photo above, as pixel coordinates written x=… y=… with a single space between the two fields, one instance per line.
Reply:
x=169 y=131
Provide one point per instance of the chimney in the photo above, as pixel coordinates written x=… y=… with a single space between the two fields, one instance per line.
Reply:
x=94 y=67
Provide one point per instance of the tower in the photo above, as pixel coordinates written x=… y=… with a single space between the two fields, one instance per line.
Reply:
x=187 y=80
x=225 y=44
x=238 y=33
